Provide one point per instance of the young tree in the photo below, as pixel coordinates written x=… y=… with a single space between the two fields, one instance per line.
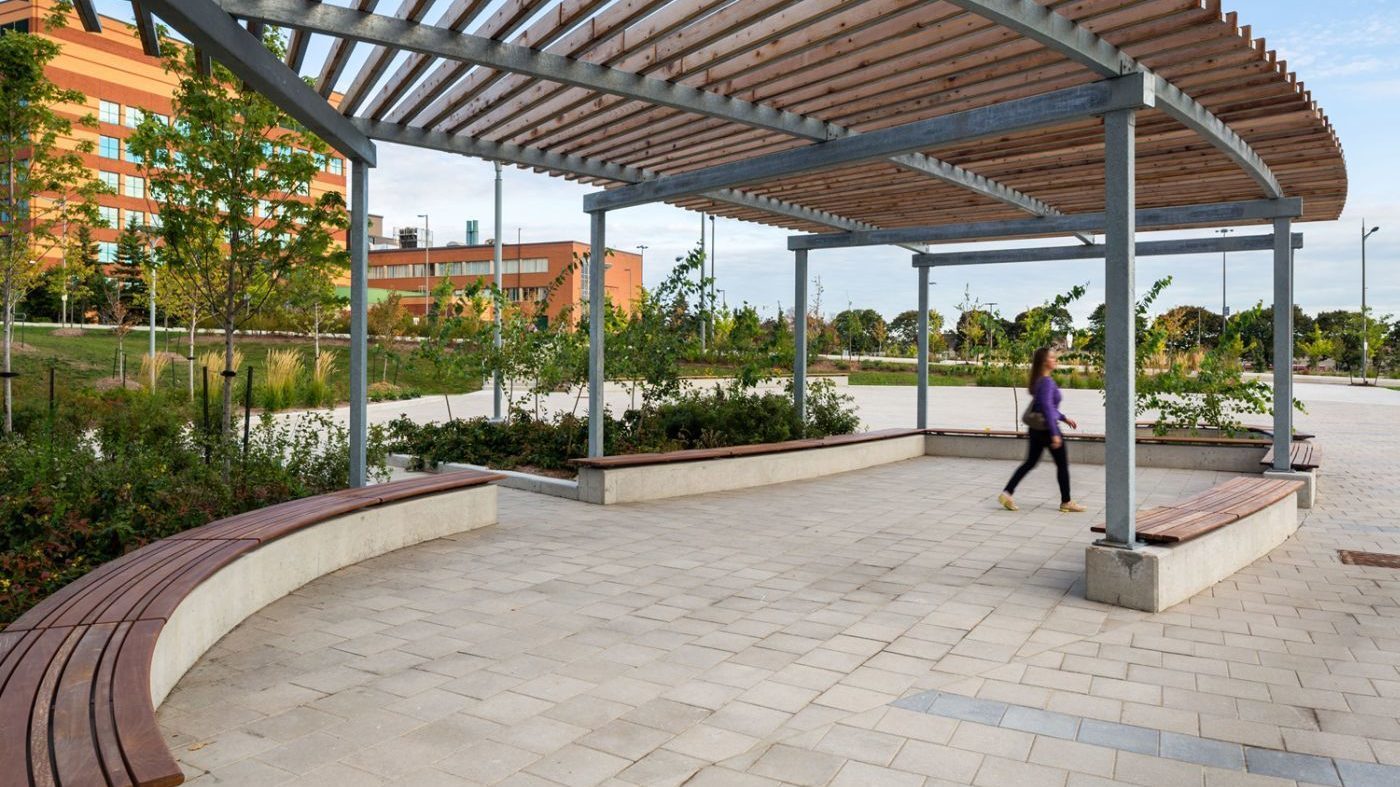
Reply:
x=231 y=177
x=42 y=186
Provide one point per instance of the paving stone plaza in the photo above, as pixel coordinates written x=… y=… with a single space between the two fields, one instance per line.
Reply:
x=889 y=626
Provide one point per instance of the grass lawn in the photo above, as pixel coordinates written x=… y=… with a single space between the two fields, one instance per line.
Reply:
x=81 y=362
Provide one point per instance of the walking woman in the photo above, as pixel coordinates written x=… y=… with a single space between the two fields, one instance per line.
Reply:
x=1043 y=416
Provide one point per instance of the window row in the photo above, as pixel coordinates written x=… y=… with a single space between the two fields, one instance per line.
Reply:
x=125 y=185
x=117 y=219
x=112 y=112
x=478 y=268
x=114 y=148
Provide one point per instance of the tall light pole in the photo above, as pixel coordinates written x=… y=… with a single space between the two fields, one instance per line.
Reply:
x=703 y=321
x=1224 y=304
x=713 y=272
x=1365 y=318
x=427 y=266
x=642 y=255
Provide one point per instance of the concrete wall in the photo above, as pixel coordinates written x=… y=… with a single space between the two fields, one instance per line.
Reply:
x=280 y=567
x=654 y=482
x=1221 y=458
x=1155 y=578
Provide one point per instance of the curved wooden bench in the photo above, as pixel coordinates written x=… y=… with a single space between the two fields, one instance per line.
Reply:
x=1301 y=456
x=76 y=704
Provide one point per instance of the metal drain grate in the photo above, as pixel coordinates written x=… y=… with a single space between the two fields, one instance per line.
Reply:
x=1376 y=559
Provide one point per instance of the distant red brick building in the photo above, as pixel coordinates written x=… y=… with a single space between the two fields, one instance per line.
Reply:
x=527 y=271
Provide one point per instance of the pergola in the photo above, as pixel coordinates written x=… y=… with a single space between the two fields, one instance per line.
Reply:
x=854 y=122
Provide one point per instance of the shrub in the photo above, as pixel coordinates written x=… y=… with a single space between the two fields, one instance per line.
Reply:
x=318 y=391
x=149 y=363
x=110 y=473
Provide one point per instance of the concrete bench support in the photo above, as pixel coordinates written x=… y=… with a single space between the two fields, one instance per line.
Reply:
x=1155 y=578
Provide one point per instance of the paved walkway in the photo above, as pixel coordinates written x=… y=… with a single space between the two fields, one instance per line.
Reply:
x=883 y=627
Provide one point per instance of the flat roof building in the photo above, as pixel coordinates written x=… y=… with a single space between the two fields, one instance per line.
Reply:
x=121 y=85
x=527 y=269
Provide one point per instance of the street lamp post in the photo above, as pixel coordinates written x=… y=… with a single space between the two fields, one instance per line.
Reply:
x=427 y=266
x=1365 y=318
x=642 y=255
x=1224 y=304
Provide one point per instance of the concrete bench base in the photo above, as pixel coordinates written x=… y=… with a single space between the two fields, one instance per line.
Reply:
x=1308 y=494
x=1090 y=450
x=611 y=485
x=1155 y=578
x=279 y=567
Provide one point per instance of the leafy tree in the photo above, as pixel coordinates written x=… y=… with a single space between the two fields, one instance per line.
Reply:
x=42 y=186
x=1317 y=347
x=1189 y=327
x=861 y=331
x=231 y=176
x=384 y=323
x=904 y=329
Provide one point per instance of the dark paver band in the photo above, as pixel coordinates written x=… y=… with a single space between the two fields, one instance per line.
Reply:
x=1308 y=768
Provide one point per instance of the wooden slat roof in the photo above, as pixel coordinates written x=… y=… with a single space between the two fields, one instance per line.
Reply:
x=864 y=65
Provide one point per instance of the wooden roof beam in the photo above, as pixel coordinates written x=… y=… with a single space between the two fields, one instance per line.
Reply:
x=1058 y=33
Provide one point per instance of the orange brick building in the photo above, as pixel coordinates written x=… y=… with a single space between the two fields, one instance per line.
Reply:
x=527 y=271
x=121 y=85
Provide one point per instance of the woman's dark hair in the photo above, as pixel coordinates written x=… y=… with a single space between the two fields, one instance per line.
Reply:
x=1042 y=355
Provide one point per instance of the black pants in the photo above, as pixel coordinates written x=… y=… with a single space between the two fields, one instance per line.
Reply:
x=1040 y=440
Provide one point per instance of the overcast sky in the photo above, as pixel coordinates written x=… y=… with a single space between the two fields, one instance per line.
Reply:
x=1346 y=51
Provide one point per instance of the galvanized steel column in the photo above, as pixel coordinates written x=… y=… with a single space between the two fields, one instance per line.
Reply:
x=359 y=309
x=596 y=293
x=1283 y=343
x=922 y=420
x=1120 y=319
x=799 y=333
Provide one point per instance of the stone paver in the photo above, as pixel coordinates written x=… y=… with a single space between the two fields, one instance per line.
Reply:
x=813 y=633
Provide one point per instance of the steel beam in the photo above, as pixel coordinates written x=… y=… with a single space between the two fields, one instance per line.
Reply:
x=799 y=337
x=146 y=28
x=1155 y=248
x=922 y=420
x=433 y=41
x=1148 y=218
x=359 y=319
x=597 y=292
x=579 y=165
x=1283 y=347
x=1059 y=106
x=1035 y=21
x=1120 y=324
x=87 y=14
x=205 y=25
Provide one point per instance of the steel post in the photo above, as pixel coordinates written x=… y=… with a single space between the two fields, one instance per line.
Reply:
x=1120 y=317
x=799 y=335
x=1283 y=345
x=359 y=309
x=922 y=420
x=498 y=382
x=596 y=293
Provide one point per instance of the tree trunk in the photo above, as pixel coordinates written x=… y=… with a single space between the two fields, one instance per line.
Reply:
x=194 y=320
x=9 y=339
x=316 y=330
x=229 y=373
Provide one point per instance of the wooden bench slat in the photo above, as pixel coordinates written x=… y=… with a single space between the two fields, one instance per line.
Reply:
x=104 y=721
x=138 y=733
x=160 y=602
x=1210 y=510
x=18 y=709
x=92 y=587
x=1193 y=524
x=75 y=751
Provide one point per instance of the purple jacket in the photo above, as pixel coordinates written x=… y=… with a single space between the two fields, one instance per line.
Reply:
x=1047 y=401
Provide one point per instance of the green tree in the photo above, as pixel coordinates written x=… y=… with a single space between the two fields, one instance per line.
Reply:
x=904 y=330
x=1317 y=347
x=231 y=176
x=42 y=186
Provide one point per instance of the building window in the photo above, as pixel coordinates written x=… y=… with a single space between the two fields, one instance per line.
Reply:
x=109 y=147
x=136 y=218
x=164 y=120
x=106 y=251
x=109 y=112
x=134 y=117
x=135 y=187
x=111 y=180
x=131 y=155
x=519 y=295
x=109 y=217
x=513 y=267
x=337 y=165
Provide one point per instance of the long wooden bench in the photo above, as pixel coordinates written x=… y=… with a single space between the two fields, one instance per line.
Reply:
x=1301 y=456
x=755 y=449
x=1210 y=510
x=75 y=671
x=1259 y=429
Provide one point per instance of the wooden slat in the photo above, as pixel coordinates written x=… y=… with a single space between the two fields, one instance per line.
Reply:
x=1210 y=510
x=73 y=739
x=143 y=746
